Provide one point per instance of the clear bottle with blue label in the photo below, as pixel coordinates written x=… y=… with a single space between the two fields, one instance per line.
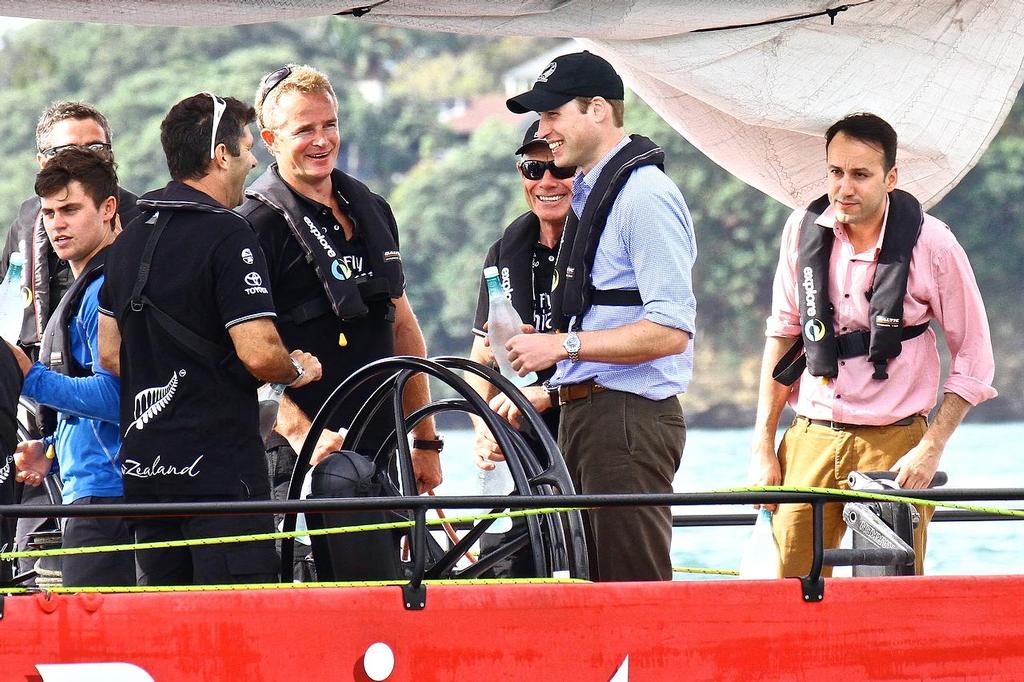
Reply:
x=503 y=322
x=12 y=300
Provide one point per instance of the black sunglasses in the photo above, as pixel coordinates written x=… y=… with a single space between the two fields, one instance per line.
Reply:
x=272 y=80
x=534 y=170
x=48 y=154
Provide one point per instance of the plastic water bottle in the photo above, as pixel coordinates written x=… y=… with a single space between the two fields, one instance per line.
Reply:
x=503 y=322
x=497 y=481
x=12 y=301
x=761 y=555
x=270 y=402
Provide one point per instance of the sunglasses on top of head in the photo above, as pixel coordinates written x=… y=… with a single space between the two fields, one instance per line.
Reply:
x=534 y=170
x=219 y=106
x=271 y=81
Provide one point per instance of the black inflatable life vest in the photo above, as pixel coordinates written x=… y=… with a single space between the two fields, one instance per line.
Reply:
x=884 y=339
x=573 y=293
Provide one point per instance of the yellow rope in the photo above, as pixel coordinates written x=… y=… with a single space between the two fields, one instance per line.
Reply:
x=879 y=497
x=280 y=535
x=705 y=571
x=136 y=589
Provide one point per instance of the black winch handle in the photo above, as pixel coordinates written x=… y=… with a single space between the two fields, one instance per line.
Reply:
x=939 y=479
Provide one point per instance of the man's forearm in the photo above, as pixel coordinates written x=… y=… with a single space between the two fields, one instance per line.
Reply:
x=772 y=396
x=92 y=397
x=951 y=412
x=640 y=341
x=409 y=341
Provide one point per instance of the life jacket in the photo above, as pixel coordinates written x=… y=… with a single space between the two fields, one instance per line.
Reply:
x=884 y=339
x=347 y=296
x=55 y=347
x=573 y=293
x=515 y=261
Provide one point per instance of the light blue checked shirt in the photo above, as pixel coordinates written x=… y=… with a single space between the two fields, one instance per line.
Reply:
x=647 y=244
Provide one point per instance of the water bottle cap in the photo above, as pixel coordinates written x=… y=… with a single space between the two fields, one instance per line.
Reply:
x=490 y=271
x=17 y=259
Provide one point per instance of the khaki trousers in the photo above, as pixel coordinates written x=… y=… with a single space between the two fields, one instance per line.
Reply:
x=819 y=456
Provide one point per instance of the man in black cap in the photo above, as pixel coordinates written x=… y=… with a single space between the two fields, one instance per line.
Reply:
x=525 y=258
x=623 y=293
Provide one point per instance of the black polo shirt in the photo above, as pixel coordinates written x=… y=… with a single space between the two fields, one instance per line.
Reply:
x=189 y=428
x=342 y=346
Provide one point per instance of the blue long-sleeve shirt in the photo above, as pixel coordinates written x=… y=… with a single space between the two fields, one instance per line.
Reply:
x=648 y=244
x=88 y=435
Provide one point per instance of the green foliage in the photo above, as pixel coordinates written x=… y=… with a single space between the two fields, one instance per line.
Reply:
x=453 y=197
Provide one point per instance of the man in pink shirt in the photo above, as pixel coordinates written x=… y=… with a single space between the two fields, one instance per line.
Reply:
x=844 y=288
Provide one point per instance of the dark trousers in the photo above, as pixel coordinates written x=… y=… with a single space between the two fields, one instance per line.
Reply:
x=234 y=563
x=616 y=442
x=95 y=570
x=281 y=458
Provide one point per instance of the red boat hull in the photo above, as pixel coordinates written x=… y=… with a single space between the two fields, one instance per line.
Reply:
x=881 y=629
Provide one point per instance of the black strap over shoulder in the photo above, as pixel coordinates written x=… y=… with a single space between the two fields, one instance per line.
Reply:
x=213 y=353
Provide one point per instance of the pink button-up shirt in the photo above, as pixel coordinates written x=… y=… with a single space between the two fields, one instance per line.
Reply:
x=941 y=287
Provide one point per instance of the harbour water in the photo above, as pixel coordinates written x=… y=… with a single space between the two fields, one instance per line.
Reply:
x=978 y=456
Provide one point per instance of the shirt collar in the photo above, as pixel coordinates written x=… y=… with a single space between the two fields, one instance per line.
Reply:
x=582 y=184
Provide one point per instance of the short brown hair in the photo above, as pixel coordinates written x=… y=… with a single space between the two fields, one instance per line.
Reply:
x=62 y=111
x=93 y=170
x=618 y=108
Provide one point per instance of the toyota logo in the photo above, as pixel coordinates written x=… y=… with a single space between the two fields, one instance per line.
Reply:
x=253 y=279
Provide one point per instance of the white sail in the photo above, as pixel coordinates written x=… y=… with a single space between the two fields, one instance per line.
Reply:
x=755 y=97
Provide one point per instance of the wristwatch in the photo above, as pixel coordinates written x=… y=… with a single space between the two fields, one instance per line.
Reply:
x=300 y=371
x=436 y=444
x=552 y=394
x=572 y=346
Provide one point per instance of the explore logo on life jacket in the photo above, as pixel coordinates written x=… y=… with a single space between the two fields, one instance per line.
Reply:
x=814 y=330
x=810 y=293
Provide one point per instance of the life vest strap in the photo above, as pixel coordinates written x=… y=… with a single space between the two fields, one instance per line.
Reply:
x=852 y=345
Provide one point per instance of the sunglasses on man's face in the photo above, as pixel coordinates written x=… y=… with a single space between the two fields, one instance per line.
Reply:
x=101 y=147
x=534 y=170
x=271 y=81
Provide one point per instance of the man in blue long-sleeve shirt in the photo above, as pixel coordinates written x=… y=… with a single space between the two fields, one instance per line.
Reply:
x=78 y=192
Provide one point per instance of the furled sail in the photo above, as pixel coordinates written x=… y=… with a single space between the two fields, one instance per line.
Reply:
x=752 y=84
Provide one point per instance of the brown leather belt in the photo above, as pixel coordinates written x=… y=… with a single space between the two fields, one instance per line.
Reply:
x=840 y=426
x=569 y=392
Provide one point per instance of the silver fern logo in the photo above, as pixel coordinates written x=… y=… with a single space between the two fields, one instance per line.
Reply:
x=149 y=403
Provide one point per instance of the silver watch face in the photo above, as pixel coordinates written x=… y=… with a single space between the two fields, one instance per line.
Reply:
x=571 y=343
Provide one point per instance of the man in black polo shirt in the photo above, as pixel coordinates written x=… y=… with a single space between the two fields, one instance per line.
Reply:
x=525 y=258
x=335 y=268
x=189 y=414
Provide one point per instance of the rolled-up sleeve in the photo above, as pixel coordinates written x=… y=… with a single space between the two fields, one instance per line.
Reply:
x=784 y=320
x=960 y=311
x=661 y=246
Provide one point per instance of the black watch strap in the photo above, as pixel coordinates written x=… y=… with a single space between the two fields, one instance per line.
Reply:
x=436 y=444
x=552 y=394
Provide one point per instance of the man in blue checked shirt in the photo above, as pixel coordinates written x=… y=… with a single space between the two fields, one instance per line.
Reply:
x=623 y=293
x=78 y=192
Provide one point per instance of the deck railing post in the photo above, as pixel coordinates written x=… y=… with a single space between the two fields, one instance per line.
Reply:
x=813 y=585
x=415 y=592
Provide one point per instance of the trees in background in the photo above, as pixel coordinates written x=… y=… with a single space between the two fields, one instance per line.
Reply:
x=452 y=196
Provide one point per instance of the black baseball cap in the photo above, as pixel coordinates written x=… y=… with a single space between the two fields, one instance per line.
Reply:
x=530 y=138
x=579 y=74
